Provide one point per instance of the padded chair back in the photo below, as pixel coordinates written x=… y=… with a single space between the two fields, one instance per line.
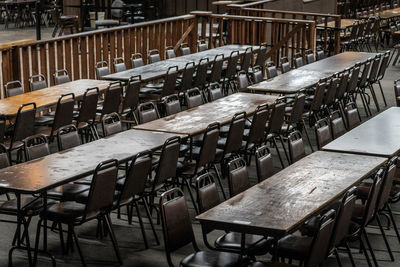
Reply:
x=112 y=98
x=298 y=60
x=216 y=70
x=257 y=74
x=64 y=111
x=297 y=109
x=88 y=106
x=371 y=204
x=384 y=65
x=207 y=192
x=353 y=119
x=168 y=161
x=102 y=69
x=154 y=56
x=131 y=98
x=320 y=54
x=24 y=123
x=36 y=146
x=330 y=94
x=387 y=185
x=246 y=59
x=276 y=118
x=119 y=64
x=316 y=103
x=201 y=46
x=296 y=147
x=344 y=79
x=68 y=137
x=147 y=112
x=242 y=81
x=238 y=177
x=261 y=56
x=257 y=129
x=232 y=65
x=37 y=82
x=111 y=124
x=185 y=49
x=373 y=75
x=310 y=57
x=264 y=163
x=170 y=52
x=187 y=77
x=4 y=159
x=137 y=60
x=352 y=84
x=323 y=133
x=337 y=124
x=214 y=92
x=193 y=98
x=13 y=88
x=61 y=76
x=235 y=135
x=201 y=74
x=272 y=71
x=209 y=146
x=170 y=81
x=285 y=65
x=172 y=104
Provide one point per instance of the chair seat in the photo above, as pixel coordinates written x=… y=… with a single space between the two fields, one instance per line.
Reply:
x=358 y=212
x=44 y=120
x=188 y=169
x=29 y=205
x=211 y=258
x=148 y=90
x=255 y=244
x=68 y=211
x=294 y=247
x=16 y=145
x=270 y=264
x=106 y=22
x=155 y=85
x=67 y=191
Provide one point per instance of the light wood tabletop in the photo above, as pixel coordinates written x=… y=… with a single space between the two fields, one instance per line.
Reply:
x=157 y=70
x=378 y=136
x=194 y=121
x=283 y=202
x=390 y=13
x=344 y=23
x=48 y=97
x=59 y=168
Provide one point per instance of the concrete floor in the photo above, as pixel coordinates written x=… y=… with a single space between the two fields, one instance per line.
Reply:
x=100 y=253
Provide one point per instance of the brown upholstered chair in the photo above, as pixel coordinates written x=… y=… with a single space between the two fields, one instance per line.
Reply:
x=112 y=100
x=201 y=46
x=352 y=115
x=200 y=79
x=329 y=101
x=322 y=133
x=36 y=146
x=296 y=147
x=271 y=70
x=264 y=163
x=178 y=232
x=111 y=124
x=85 y=122
x=170 y=52
x=61 y=76
x=172 y=105
x=229 y=73
x=68 y=137
x=137 y=60
x=337 y=124
x=130 y=101
x=245 y=62
x=119 y=64
x=242 y=81
x=147 y=112
x=153 y=56
x=185 y=49
x=238 y=178
x=215 y=73
x=261 y=56
x=214 y=92
x=285 y=65
x=298 y=60
x=320 y=54
x=310 y=57
x=101 y=70
x=256 y=75
x=186 y=80
x=13 y=88
x=37 y=82
x=193 y=98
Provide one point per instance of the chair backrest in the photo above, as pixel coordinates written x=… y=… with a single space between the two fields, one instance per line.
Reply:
x=337 y=124
x=200 y=79
x=264 y=163
x=166 y=168
x=214 y=92
x=172 y=104
x=193 y=98
x=320 y=243
x=310 y=57
x=187 y=76
x=257 y=129
x=316 y=103
x=36 y=146
x=37 y=82
x=341 y=90
x=296 y=146
x=64 y=112
x=13 y=88
x=397 y=92
x=272 y=71
x=112 y=98
x=235 y=135
x=362 y=82
x=322 y=132
x=330 y=94
x=353 y=119
x=185 y=49
x=170 y=81
x=320 y=54
x=384 y=65
x=352 y=84
x=387 y=184
x=101 y=69
x=170 y=52
x=344 y=215
x=257 y=75
x=147 y=112
x=24 y=122
x=88 y=106
x=373 y=75
x=153 y=56
x=111 y=124
x=102 y=187
x=136 y=177
x=209 y=146
x=298 y=60
x=371 y=204
x=238 y=179
x=176 y=222
x=201 y=46
x=285 y=64
x=297 y=108
x=261 y=56
x=137 y=60
x=207 y=192
x=277 y=117
x=68 y=137
x=61 y=76
x=131 y=98
x=246 y=59
x=242 y=81
x=119 y=64
x=4 y=159
x=216 y=70
x=232 y=65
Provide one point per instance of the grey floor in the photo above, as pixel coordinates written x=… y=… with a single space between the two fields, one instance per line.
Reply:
x=100 y=253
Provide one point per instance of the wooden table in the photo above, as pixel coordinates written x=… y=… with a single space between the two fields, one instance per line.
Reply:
x=157 y=70
x=194 y=121
x=48 y=97
x=308 y=75
x=39 y=175
x=280 y=204
x=344 y=23
x=378 y=136
x=390 y=13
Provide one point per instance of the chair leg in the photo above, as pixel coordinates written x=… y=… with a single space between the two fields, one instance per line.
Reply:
x=112 y=236
x=364 y=250
x=384 y=237
x=60 y=233
x=350 y=254
x=146 y=206
x=219 y=180
x=393 y=222
x=284 y=148
x=370 y=248
x=78 y=247
x=277 y=151
x=146 y=244
x=383 y=95
x=337 y=258
x=374 y=97
x=37 y=242
x=185 y=181
x=303 y=124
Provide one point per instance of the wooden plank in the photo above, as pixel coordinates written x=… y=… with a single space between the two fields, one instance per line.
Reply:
x=119 y=44
x=106 y=48
x=68 y=57
x=92 y=56
x=127 y=48
x=75 y=57
x=52 y=61
x=25 y=67
x=60 y=55
x=84 y=62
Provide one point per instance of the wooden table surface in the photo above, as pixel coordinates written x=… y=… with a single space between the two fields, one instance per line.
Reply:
x=378 y=136
x=278 y=205
x=59 y=168
x=344 y=23
x=195 y=120
x=308 y=75
x=48 y=97
x=157 y=70
x=390 y=13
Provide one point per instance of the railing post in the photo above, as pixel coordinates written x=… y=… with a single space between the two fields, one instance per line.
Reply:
x=312 y=36
x=338 y=25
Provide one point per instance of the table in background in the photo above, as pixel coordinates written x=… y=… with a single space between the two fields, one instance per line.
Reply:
x=379 y=136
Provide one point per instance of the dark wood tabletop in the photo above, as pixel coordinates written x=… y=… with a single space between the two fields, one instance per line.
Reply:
x=308 y=75
x=195 y=120
x=344 y=23
x=280 y=204
x=390 y=13
x=48 y=97
x=59 y=168
x=157 y=70
x=378 y=136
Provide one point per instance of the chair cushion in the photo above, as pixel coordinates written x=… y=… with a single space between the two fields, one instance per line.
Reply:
x=294 y=247
x=358 y=212
x=106 y=22
x=29 y=205
x=270 y=264
x=67 y=191
x=67 y=211
x=211 y=258
x=255 y=244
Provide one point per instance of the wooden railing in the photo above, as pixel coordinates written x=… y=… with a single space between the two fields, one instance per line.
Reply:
x=349 y=8
x=324 y=34
x=78 y=53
